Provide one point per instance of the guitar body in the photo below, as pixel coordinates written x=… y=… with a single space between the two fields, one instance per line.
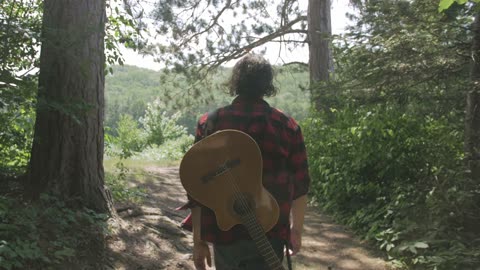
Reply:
x=224 y=172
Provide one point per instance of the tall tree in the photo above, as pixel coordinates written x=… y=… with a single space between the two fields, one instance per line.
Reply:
x=472 y=117
x=472 y=108
x=319 y=34
x=67 y=153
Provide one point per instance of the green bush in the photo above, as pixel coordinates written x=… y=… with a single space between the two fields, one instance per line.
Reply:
x=171 y=150
x=130 y=137
x=120 y=189
x=159 y=126
x=396 y=177
x=17 y=116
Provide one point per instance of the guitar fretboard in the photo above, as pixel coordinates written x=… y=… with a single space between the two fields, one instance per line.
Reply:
x=264 y=247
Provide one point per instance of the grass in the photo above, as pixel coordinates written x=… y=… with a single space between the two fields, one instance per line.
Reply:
x=123 y=179
x=109 y=164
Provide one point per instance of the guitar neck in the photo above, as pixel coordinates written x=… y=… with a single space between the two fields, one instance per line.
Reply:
x=264 y=247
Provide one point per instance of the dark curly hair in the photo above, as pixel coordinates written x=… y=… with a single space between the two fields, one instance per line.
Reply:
x=252 y=76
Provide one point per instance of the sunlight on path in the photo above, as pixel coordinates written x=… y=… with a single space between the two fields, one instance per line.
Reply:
x=327 y=245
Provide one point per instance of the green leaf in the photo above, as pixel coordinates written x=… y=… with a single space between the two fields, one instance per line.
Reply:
x=444 y=4
x=421 y=245
x=353 y=130
x=66 y=252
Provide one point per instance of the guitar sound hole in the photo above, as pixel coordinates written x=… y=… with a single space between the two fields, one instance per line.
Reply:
x=244 y=205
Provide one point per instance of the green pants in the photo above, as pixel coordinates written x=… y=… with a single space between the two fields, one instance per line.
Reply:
x=243 y=255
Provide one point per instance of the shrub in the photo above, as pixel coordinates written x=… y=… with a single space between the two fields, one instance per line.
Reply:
x=171 y=150
x=130 y=137
x=159 y=126
x=396 y=177
x=120 y=189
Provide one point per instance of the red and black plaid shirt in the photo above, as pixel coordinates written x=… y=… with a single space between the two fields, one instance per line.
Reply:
x=285 y=168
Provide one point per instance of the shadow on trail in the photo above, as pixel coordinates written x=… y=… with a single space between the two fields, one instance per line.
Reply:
x=165 y=191
x=148 y=235
x=138 y=247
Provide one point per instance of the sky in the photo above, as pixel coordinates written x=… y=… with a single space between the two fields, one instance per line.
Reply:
x=339 y=21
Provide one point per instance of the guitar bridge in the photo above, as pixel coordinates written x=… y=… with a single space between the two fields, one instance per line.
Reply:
x=228 y=165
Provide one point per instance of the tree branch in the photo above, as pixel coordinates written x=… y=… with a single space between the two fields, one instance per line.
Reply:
x=286 y=29
x=214 y=22
x=296 y=63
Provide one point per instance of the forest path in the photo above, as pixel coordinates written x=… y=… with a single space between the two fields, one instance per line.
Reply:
x=147 y=235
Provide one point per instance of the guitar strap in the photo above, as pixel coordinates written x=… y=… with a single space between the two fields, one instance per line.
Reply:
x=288 y=246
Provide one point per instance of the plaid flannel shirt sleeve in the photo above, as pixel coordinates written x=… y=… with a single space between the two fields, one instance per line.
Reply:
x=299 y=165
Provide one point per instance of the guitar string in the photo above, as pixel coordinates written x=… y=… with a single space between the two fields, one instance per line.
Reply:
x=237 y=194
x=246 y=208
x=270 y=254
x=251 y=219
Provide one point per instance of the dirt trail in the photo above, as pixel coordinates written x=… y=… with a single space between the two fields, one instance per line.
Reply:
x=147 y=236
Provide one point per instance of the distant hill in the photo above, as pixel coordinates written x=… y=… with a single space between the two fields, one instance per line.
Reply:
x=130 y=88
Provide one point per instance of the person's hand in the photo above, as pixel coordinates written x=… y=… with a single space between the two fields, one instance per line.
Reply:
x=201 y=253
x=295 y=241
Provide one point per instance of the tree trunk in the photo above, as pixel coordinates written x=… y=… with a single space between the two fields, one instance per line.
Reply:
x=472 y=116
x=67 y=153
x=319 y=32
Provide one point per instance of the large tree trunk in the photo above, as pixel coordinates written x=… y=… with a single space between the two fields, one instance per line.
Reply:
x=472 y=117
x=67 y=153
x=319 y=32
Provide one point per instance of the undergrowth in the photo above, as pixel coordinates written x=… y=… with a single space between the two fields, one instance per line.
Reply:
x=397 y=178
x=118 y=184
x=49 y=235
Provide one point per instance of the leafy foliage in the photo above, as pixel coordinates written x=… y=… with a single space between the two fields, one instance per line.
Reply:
x=171 y=150
x=396 y=178
x=123 y=29
x=39 y=236
x=118 y=185
x=388 y=161
x=17 y=115
x=420 y=55
x=159 y=126
x=130 y=138
x=445 y=4
x=20 y=23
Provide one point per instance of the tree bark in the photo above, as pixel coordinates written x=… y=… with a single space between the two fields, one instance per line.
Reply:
x=67 y=152
x=472 y=116
x=319 y=32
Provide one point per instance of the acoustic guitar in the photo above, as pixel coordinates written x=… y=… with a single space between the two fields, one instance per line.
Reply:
x=224 y=173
